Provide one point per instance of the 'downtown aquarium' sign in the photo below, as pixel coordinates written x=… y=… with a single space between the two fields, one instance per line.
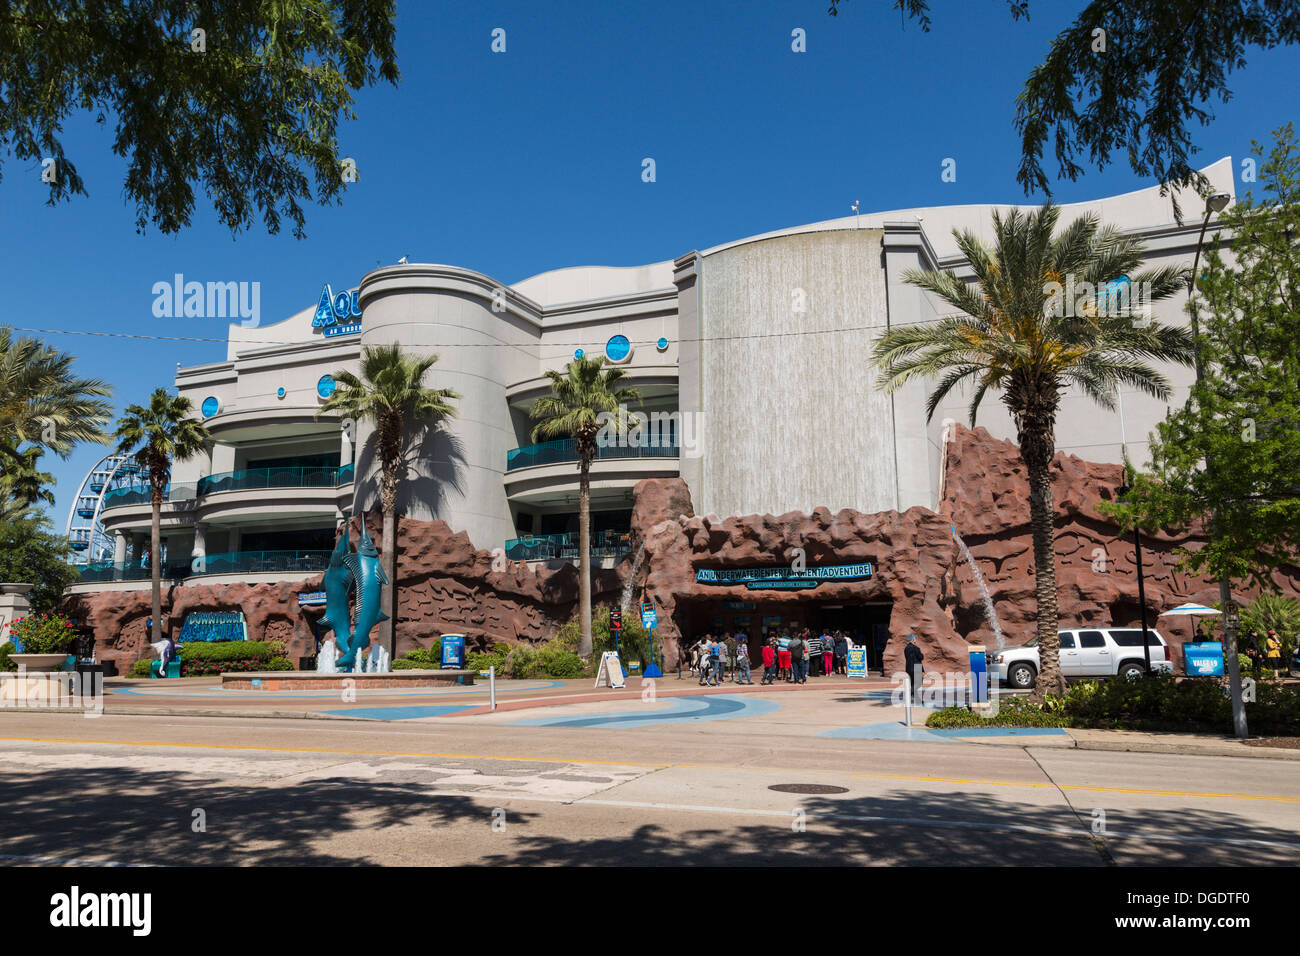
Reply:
x=337 y=314
x=786 y=578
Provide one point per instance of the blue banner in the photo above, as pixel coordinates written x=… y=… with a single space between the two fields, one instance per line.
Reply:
x=783 y=577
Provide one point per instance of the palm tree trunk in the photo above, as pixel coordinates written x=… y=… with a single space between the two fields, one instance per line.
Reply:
x=388 y=559
x=155 y=563
x=1036 y=450
x=584 y=546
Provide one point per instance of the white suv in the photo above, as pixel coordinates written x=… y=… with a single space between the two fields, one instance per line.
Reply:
x=1088 y=652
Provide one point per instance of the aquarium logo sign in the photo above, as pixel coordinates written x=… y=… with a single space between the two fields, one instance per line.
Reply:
x=337 y=314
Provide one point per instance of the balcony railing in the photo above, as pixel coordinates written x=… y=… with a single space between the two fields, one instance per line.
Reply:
x=566 y=449
x=250 y=479
x=549 y=547
x=231 y=562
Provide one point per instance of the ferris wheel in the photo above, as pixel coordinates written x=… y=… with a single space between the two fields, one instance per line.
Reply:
x=84 y=530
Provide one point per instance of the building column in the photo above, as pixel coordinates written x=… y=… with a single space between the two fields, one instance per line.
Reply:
x=199 y=550
x=233 y=546
x=345 y=448
x=119 y=547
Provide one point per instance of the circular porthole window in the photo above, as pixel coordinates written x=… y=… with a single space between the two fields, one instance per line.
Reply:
x=280 y=392
x=618 y=349
x=325 y=386
x=662 y=344
x=211 y=405
x=578 y=353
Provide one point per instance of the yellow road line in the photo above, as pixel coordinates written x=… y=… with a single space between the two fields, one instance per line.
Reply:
x=969 y=781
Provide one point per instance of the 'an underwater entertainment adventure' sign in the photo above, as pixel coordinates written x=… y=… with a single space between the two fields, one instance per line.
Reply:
x=784 y=577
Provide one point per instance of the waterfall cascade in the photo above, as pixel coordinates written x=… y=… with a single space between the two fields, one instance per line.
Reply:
x=989 y=610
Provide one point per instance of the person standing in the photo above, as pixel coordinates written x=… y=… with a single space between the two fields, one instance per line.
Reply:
x=785 y=663
x=841 y=653
x=796 y=659
x=915 y=662
x=730 y=660
x=1255 y=654
x=769 y=661
x=812 y=651
x=1273 y=651
x=828 y=654
x=881 y=640
x=742 y=661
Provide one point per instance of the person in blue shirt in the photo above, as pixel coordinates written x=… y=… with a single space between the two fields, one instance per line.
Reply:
x=716 y=650
x=742 y=659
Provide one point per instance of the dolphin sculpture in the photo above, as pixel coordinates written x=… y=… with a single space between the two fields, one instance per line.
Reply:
x=338 y=582
x=370 y=579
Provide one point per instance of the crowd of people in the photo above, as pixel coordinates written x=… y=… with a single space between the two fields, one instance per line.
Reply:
x=788 y=657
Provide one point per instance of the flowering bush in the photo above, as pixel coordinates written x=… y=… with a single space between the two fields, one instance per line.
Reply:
x=43 y=634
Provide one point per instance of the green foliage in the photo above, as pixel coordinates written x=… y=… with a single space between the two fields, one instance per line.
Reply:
x=162 y=433
x=231 y=650
x=140 y=668
x=45 y=408
x=278 y=664
x=249 y=109
x=6 y=664
x=30 y=552
x=554 y=659
x=43 y=633
x=1154 y=703
x=1012 y=712
x=1273 y=612
x=1243 y=416
x=480 y=661
x=421 y=658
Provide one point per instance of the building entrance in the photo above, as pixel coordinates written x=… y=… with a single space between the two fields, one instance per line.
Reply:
x=864 y=622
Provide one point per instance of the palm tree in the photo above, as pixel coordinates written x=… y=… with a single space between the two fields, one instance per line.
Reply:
x=42 y=404
x=390 y=392
x=583 y=401
x=1016 y=334
x=156 y=436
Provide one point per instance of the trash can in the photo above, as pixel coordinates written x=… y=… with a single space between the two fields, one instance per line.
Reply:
x=90 y=678
x=307 y=663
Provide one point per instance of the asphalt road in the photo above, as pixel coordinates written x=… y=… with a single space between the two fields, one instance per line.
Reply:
x=244 y=791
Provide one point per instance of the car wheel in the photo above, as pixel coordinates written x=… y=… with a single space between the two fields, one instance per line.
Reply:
x=1131 y=671
x=1022 y=675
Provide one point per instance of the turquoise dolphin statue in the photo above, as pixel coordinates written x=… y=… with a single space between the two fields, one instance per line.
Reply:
x=338 y=582
x=370 y=578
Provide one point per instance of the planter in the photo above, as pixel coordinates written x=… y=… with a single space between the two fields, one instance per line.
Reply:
x=39 y=663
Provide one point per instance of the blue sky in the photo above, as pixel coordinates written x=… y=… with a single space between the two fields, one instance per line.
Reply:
x=515 y=163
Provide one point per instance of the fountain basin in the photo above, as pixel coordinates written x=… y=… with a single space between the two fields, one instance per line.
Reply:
x=313 y=680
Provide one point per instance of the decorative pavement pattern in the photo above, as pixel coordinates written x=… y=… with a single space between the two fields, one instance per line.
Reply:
x=674 y=711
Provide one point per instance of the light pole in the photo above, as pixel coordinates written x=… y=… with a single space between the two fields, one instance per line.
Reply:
x=1217 y=203
x=1124 y=489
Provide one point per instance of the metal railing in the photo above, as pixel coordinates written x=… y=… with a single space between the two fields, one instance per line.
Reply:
x=249 y=479
x=549 y=547
x=566 y=449
x=230 y=562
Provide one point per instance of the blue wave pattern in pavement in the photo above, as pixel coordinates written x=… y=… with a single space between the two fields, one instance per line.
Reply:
x=401 y=713
x=678 y=711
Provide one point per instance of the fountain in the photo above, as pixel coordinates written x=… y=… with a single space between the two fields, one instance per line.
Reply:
x=989 y=611
x=630 y=586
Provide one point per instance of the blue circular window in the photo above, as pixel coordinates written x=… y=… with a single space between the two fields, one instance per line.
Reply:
x=578 y=353
x=211 y=405
x=618 y=348
x=280 y=392
x=662 y=344
x=325 y=386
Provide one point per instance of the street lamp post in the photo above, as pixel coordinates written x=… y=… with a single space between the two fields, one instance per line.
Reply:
x=1142 y=594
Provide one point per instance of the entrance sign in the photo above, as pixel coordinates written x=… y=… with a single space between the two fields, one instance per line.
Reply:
x=783 y=577
x=611 y=671
x=1203 y=660
x=337 y=314
x=649 y=616
x=857 y=661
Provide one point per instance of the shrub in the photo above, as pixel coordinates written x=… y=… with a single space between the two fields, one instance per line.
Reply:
x=479 y=661
x=43 y=633
x=278 y=664
x=6 y=664
x=1012 y=712
x=211 y=651
x=140 y=668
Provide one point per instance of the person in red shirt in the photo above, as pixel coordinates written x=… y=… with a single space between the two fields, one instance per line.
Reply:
x=783 y=661
x=769 y=662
